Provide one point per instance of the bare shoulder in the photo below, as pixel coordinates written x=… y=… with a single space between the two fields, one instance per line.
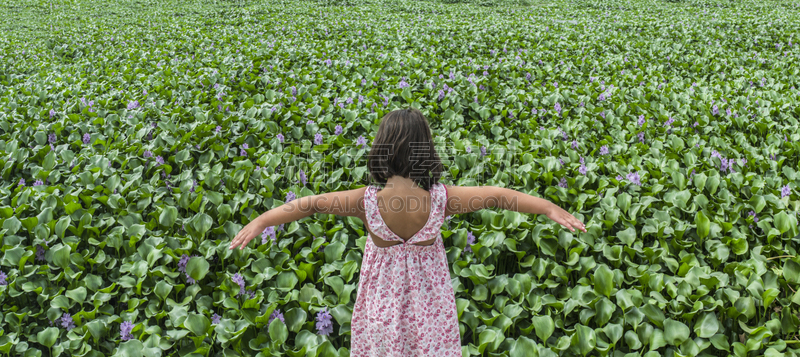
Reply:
x=465 y=199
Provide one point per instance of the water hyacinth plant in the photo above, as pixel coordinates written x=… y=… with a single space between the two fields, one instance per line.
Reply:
x=125 y=168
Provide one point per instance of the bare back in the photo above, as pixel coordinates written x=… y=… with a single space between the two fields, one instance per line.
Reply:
x=405 y=211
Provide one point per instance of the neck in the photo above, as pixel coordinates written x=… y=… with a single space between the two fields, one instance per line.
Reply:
x=401 y=183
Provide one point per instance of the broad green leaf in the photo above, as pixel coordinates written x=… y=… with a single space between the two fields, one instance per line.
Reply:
x=675 y=332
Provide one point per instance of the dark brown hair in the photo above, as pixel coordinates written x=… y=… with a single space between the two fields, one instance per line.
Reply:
x=404 y=146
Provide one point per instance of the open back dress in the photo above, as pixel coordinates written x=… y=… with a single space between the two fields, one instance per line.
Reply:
x=405 y=305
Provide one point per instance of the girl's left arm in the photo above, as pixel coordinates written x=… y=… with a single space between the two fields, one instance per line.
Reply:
x=342 y=203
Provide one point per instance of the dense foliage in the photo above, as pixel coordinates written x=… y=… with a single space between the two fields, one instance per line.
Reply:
x=138 y=137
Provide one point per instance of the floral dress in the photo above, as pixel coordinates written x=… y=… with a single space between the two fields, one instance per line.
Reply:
x=405 y=305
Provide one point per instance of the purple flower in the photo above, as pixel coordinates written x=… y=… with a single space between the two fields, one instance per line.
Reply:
x=563 y=182
x=714 y=110
x=303 y=177
x=280 y=137
x=86 y=138
x=290 y=196
x=604 y=150
x=38 y=182
x=561 y=161
x=558 y=108
x=634 y=178
x=582 y=169
x=318 y=139
x=133 y=104
x=125 y=329
x=159 y=160
x=441 y=94
x=534 y=111
x=641 y=120
x=52 y=138
x=182 y=263
x=403 y=84
x=601 y=97
x=40 y=252
x=52 y=113
x=470 y=241
x=362 y=141
x=786 y=191
x=3 y=278
x=21 y=182
x=67 y=322
x=239 y=279
x=215 y=318
x=603 y=114
x=268 y=232
x=338 y=129
x=641 y=137
x=218 y=129
x=148 y=153
x=483 y=151
x=324 y=324
x=363 y=82
x=574 y=144
x=309 y=122
x=276 y=314
x=619 y=178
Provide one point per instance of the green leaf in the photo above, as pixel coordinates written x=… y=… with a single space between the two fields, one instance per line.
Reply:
x=48 y=336
x=627 y=236
x=163 y=289
x=61 y=255
x=703 y=224
x=675 y=332
x=198 y=324
x=12 y=225
x=603 y=280
x=791 y=271
x=707 y=325
x=197 y=268
x=77 y=294
x=168 y=216
x=295 y=318
x=524 y=347
x=131 y=348
x=584 y=338
x=202 y=222
x=278 y=331
x=544 y=327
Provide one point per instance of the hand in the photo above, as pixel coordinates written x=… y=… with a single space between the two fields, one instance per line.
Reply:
x=565 y=219
x=250 y=231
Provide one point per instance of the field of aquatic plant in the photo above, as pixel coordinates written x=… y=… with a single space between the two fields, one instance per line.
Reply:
x=138 y=137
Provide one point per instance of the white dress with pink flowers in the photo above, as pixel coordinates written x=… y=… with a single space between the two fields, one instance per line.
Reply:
x=405 y=305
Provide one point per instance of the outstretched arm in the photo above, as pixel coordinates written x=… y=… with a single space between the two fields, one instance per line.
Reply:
x=465 y=199
x=342 y=203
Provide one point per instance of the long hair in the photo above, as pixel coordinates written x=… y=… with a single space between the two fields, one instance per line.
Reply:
x=404 y=147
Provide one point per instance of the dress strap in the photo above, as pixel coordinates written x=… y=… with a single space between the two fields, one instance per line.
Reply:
x=436 y=217
x=373 y=216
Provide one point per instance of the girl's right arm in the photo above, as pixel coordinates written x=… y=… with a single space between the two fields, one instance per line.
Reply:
x=465 y=199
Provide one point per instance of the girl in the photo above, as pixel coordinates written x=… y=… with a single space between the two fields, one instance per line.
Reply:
x=405 y=305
